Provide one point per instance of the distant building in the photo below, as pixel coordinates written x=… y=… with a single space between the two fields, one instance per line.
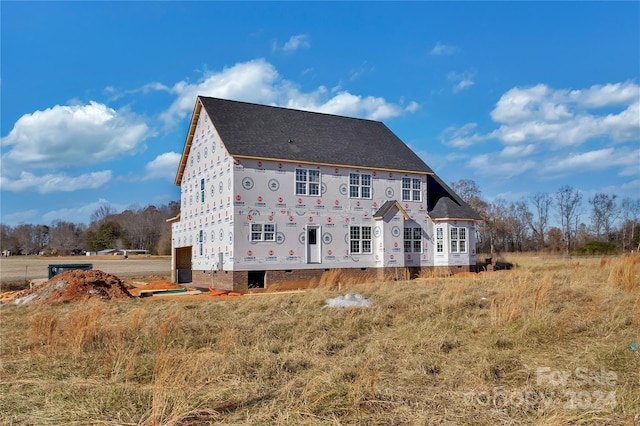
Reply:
x=274 y=197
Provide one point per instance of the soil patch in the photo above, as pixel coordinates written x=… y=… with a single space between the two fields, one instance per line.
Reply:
x=75 y=286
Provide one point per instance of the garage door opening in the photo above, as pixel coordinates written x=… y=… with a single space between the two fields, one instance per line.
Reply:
x=256 y=279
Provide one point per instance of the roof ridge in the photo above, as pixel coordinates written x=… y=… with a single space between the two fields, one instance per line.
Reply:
x=297 y=109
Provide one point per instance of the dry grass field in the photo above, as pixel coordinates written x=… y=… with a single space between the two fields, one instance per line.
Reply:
x=550 y=343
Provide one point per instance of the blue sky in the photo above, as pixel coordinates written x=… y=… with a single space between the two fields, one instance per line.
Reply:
x=522 y=97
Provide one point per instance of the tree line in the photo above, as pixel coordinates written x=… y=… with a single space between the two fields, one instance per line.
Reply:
x=135 y=228
x=557 y=222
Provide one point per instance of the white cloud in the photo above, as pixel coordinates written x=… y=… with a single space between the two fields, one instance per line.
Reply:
x=586 y=161
x=412 y=107
x=488 y=165
x=607 y=95
x=462 y=80
x=258 y=81
x=64 y=136
x=81 y=214
x=252 y=81
x=24 y=216
x=510 y=196
x=601 y=159
x=565 y=117
x=462 y=85
x=517 y=150
x=344 y=103
x=164 y=166
x=115 y=94
x=59 y=182
x=558 y=118
x=632 y=188
x=443 y=49
x=517 y=104
x=297 y=42
x=461 y=137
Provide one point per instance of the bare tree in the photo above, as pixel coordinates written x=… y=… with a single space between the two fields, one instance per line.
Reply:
x=102 y=212
x=568 y=200
x=630 y=215
x=41 y=236
x=7 y=239
x=24 y=239
x=555 y=240
x=164 y=241
x=495 y=226
x=603 y=211
x=541 y=202
x=66 y=236
x=519 y=215
x=470 y=192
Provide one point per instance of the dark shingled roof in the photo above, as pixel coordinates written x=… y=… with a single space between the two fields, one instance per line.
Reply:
x=252 y=130
x=283 y=134
x=444 y=203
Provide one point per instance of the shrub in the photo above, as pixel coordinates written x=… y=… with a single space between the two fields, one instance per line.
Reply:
x=596 y=248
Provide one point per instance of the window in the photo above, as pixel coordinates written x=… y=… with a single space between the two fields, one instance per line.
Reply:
x=202 y=190
x=411 y=189
x=307 y=182
x=359 y=185
x=439 y=240
x=360 y=239
x=263 y=232
x=458 y=240
x=413 y=240
x=200 y=238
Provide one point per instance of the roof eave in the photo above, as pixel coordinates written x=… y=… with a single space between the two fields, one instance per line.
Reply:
x=187 y=145
x=342 y=166
x=379 y=215
x=454 y=218
x=176 y=218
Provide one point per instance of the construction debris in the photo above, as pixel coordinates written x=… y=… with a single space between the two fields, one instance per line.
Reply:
x=347 y=301
x=157 y=287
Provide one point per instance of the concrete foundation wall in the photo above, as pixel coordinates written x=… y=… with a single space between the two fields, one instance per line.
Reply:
x=238 y=281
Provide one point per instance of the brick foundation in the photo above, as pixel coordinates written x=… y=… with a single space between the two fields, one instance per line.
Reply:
x=238 y=281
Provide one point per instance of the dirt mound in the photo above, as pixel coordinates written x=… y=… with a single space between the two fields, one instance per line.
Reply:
x=156 y=285
x=76 y=286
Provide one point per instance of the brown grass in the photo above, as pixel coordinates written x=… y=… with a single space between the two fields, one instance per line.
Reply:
x=454 y=350
x=625 y=273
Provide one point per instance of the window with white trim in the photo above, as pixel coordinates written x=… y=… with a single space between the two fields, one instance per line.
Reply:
x=411 y=189
x=413 y=240
x=439 y=240
x=360 y=239
x=458 y=240
x=263 y=232
x=307 y=182
x=359 y=185
x=200 y=240
x=202 y=190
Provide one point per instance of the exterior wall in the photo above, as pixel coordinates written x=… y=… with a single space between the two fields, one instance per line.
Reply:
x=266 y=195
x=447 y=258
x=212 y=219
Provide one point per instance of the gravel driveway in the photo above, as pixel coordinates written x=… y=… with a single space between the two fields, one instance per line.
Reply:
x=18 y=268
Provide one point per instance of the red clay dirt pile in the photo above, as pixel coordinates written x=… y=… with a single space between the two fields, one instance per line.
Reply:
x=76 y=286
